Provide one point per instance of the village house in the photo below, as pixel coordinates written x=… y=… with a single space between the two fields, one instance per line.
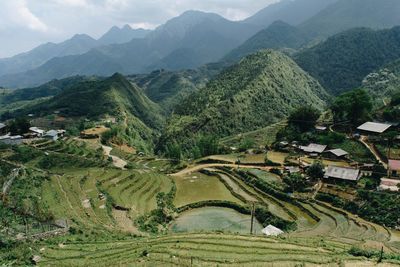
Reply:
x=373 y=128
x=52 y=135
x=36 y=132
x=313 y=148
x=336 y=154
x=271 y=230
x=11 y=140
x=335 y=173
x=394 y=168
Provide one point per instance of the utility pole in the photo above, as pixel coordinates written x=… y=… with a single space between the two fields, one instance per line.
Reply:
x=380 y=256
x=252 y=218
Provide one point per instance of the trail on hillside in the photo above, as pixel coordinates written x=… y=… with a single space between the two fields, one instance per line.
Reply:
x=364 y=141
x=117 y=161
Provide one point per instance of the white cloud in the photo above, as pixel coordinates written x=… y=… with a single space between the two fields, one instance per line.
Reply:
x=16 y=13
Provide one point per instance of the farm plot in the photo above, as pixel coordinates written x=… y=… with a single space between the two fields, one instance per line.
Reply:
x=203 y=250
x=87 y=196
x=214 y=219
x=197 y=187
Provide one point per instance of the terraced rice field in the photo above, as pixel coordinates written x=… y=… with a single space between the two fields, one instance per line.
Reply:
x=214 y=219
x=71 y=147
x=86 y=196
x=314 y=219
x=203 y=250
x=197 y=187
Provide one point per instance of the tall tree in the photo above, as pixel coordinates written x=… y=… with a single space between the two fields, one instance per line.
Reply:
x=354 y=106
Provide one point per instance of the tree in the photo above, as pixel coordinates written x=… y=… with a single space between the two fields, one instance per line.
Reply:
x=353 y=106
x=19 y=126
x=304 y=118
x=316 y=170
x=295 y=181
x=208 y=145
x=174 y=152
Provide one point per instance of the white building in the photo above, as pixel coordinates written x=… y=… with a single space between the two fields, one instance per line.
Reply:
x=271 y=230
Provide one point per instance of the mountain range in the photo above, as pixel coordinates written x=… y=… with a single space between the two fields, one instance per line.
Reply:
x=188 y=41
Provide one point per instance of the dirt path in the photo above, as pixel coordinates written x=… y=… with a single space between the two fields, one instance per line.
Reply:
x=117 y=162
x=211 y=165
x=124 y=222
x=364 y=141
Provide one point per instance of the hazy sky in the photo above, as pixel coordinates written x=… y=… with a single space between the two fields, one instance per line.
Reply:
x=25 y=24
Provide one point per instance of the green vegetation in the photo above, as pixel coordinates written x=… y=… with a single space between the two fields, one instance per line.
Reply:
x=304 y=118
x=279 y=35
x=353 y=107
x=260 y=90
x=342 y=61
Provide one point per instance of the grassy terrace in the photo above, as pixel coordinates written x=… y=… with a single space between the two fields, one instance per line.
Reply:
x=203 y=250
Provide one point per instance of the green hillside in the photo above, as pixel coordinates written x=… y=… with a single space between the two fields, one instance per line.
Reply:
x=167 y=88
x=260 y=90
x=138 y=118
x=382 y=84
x=342 y=61
x=279 y=35
x=347 y=14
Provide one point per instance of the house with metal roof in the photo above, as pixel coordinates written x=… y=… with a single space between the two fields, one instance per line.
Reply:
x=52 y=134
x=342 y=173
x=36 y=131
x=394 y=168
x=337 y=153
x=374 y=127
x=271 y=230
x=313 y=148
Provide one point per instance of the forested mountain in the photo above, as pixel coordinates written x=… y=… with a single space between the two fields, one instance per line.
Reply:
x=342 y=61
x=78 y=44
x=122 y=35
x=279 y=35
x=168 y=88
x=262 y=89
x=51 y=88
x=347 y=14
x=384 y=83
x=190 y=40
x=289 y=11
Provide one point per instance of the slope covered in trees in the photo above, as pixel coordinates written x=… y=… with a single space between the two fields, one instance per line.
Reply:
x=342 y=61
x=262 y=89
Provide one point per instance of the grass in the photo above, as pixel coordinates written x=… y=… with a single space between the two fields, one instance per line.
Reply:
x=202 y=250
x=358 y=152
x=262 y=137
x=214 y=219
x=199 y=187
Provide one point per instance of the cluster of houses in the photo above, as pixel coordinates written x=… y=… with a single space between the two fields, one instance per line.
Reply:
x=34 y=133
x=349 y=174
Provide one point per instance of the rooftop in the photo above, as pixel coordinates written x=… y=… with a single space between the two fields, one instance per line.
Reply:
x=349 y=174
x=313 y=148
x=271 y=230
x=36 y=130
x=394 y=165
x=338 y=152
x=2 y=125
x=52 y=133
x=374 y=127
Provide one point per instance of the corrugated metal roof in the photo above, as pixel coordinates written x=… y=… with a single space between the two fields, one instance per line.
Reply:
x=2 y=125
x=271 y=230
x=349 y=174
x=394 y=165
x=311 y=148
x=374 y=127
x=338 y=152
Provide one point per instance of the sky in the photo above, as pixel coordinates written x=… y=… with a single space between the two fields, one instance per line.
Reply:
x=25 y=24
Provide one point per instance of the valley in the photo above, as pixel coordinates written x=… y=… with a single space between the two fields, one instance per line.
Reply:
x=271 y=140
